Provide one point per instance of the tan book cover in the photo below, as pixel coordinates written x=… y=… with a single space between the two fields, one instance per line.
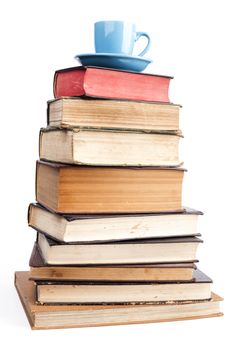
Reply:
x=70 y=316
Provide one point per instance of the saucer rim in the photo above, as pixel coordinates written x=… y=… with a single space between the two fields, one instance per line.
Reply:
x=107 y=54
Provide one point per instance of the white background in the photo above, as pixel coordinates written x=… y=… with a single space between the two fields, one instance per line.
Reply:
x=191 y=40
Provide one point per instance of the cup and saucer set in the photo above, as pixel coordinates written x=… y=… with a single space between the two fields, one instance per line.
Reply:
x=114 y=44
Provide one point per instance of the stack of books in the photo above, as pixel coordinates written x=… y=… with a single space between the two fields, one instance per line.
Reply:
x=114 y=243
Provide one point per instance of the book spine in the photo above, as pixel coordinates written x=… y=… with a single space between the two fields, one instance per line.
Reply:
x=54 y=83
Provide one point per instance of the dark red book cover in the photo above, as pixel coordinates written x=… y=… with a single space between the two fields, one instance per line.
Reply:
x=111 y=84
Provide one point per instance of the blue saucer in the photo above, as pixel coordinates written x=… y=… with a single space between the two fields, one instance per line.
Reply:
x=117 y=61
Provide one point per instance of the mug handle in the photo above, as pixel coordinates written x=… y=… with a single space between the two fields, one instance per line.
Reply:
x=138 y=35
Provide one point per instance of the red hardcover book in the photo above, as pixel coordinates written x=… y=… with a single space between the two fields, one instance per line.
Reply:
x=111 y=83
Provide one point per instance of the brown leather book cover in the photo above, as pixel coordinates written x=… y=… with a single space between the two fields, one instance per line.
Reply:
x=185 y=211
x=36 y=259
x=189 y=239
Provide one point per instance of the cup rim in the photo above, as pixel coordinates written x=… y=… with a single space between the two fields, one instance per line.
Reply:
x=114 y=21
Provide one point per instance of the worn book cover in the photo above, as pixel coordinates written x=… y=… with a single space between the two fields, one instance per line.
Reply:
x=111 y=83
x=70 y=316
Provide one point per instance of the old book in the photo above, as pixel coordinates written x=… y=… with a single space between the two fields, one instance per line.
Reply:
x=127 y=252
x=113 y=114
x=82 y=189
x=70 y=292
x=111 y=83
x=70 y=316
x=109 y=147
x=101 y=228
x=39 y=270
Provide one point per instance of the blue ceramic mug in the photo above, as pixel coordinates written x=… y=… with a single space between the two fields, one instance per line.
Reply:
x=118 y=37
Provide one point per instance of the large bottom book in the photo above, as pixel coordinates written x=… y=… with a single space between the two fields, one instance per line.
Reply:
x=67 y=316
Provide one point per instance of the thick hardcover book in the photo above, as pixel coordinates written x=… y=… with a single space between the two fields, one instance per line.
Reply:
x=39 y=270
x=113 y=114
x=111 y=83
x=85 y=189
x=70 y=316
x=166 y=250
x=103 y=228
x=84 y=292
x=109 y=147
